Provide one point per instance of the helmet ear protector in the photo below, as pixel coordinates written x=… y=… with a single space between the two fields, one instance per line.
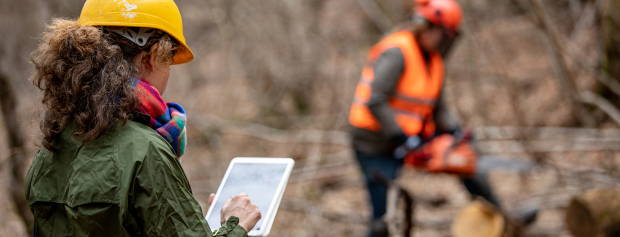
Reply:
x=137 y=35
x=448 y=39
x=419 y=19
x=422 y=20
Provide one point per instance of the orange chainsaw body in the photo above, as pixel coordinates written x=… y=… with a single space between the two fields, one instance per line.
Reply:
x=443 y=154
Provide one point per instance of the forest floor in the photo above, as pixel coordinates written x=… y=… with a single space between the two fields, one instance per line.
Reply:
x=326 y=195
x=342 y=208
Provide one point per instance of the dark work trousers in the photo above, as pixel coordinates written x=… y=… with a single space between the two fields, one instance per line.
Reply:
x=389 y=166
x=478 y=185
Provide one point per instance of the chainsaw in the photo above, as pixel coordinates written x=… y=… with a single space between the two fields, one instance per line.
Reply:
x=458 y=155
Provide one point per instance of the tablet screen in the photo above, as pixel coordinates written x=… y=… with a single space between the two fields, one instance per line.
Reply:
x=259 y=180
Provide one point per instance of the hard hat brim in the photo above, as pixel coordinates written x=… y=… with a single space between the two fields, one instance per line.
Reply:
x=183 y=55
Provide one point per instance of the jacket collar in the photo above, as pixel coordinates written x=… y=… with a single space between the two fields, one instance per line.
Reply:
x=140 y=118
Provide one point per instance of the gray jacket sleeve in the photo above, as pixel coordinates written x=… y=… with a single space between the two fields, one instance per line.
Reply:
x=388 y=70
x=445 y=122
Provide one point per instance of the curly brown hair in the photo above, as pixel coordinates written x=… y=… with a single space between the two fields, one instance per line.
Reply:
x=85 y=74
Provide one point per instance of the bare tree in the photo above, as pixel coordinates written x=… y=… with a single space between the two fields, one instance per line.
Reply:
x=17 y=157
x=611 y=38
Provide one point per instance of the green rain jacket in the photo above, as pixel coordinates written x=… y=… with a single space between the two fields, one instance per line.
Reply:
x=128 y=182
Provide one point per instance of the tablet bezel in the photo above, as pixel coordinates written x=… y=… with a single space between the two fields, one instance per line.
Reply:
x=268 y=217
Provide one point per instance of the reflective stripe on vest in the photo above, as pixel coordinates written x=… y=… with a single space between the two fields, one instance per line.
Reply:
x=416 y=92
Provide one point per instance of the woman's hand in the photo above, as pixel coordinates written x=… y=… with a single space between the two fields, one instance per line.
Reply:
x=240 y=206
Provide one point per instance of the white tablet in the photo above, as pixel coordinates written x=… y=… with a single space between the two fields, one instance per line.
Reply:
x=263 y=179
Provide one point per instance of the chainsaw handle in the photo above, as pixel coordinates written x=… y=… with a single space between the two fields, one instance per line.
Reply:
x=412 y=143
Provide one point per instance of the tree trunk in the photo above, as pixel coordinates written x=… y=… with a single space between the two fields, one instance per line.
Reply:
x=608 y=40
x=565 y=76
x=17 y=150
x=611 y=38
x=595 y=214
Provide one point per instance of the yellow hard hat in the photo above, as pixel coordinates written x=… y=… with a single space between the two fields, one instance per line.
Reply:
x=159 y=14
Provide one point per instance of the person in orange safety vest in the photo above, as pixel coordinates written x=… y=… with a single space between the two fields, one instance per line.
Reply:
x=398 y=100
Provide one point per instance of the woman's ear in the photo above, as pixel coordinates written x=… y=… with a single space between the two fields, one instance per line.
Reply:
x=151 y=62
x=147 y=63
x=152 y=56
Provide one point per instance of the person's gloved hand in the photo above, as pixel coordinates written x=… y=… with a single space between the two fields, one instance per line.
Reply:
x=456 y=131
x=411 y=143
x=459 y=133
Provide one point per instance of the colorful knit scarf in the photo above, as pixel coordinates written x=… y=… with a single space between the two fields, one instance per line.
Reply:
x=167 y=119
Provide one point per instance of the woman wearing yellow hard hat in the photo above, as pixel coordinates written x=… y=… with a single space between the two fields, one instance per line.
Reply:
x=109 y=165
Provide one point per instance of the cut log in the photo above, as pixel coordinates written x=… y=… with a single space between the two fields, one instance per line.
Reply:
x=595 y=213
x=482 y=219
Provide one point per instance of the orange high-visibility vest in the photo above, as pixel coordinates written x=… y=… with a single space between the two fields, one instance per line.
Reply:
x=416 y=92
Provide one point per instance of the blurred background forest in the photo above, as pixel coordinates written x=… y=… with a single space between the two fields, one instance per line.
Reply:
x=276 y=79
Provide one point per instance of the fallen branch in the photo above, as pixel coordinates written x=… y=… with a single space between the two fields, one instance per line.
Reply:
x=546 y=133
x=321 y=171
x=516 y=146
x=302 y=205
x=7 y=157
x=306 y=206
x=271 y=134
x=491 y=140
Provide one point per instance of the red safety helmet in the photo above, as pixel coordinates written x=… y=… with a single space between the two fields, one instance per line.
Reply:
x=446 y=13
